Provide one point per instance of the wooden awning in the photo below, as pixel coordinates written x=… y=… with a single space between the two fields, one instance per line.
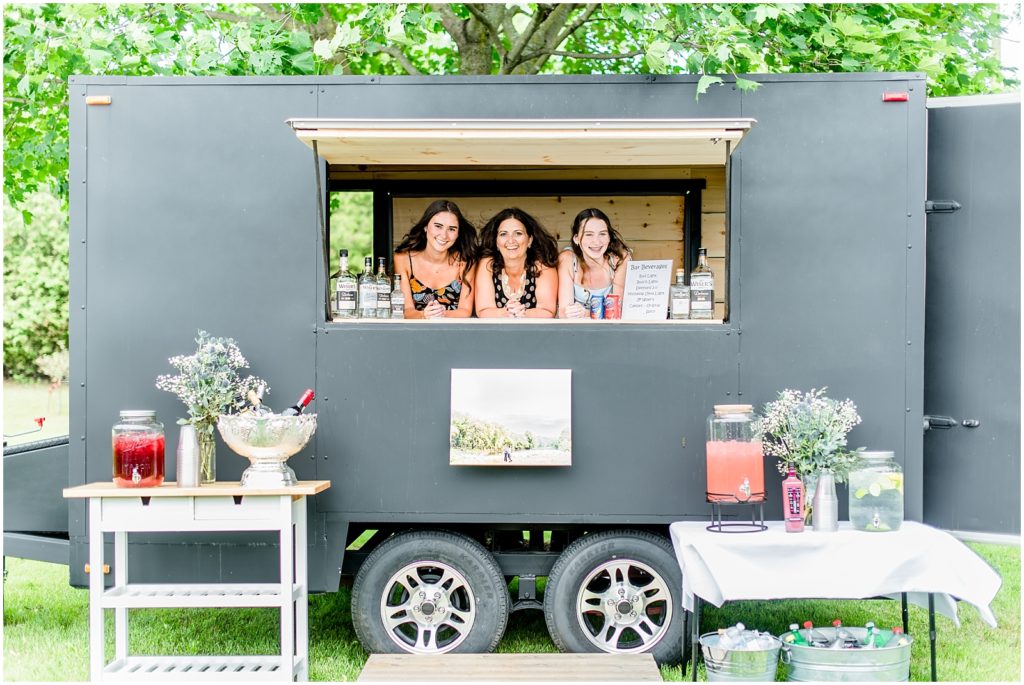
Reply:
x=523 y=142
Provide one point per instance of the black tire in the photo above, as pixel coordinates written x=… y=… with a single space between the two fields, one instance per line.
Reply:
x=429 y=592
x=617 y=591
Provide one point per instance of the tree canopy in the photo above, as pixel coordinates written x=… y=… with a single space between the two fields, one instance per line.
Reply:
x=45 y=44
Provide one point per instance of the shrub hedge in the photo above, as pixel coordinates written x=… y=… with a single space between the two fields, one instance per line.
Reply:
x=35 y=285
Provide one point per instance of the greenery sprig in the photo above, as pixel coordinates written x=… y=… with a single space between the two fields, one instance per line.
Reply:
x=808 y=431
x=208 y=381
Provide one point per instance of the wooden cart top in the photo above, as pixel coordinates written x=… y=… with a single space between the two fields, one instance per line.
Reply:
x=218 y=489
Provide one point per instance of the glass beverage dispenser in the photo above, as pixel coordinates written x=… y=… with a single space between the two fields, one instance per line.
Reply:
x=876 y=493
x=138 y=444
x=735 y=460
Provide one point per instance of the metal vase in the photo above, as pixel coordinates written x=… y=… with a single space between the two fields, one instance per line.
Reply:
x=825 y=512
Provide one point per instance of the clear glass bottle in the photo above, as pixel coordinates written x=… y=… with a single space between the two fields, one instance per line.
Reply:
x=345 y=290
x=367 y=291
x=876 y=492
x=679 y=295
x=383 y=290
x=702 y=288
x=397 y=299
x=138 y=450
x=735 y=460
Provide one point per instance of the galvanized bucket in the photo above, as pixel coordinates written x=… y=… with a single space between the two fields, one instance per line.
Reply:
x=737 y=665
x=817 y=664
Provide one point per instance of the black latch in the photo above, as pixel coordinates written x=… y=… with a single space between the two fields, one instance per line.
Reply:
x=939 y=422
x=941 y=206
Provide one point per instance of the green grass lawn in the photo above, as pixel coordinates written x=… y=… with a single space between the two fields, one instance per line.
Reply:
x=46 y=628
x=23 y=402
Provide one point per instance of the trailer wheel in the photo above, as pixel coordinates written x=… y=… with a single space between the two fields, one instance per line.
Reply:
x=429 y=592
x=619 y=592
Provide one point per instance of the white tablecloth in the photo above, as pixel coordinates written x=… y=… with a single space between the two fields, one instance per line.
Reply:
x=848 y=564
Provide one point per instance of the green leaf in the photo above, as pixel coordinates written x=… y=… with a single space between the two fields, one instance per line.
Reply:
x=762 y=12
x=746 y=84
x=656 y=55
x=303 y=62
x=322 y=49
x=865 y=48
x=706 y=82
x=300 y=40
x=23 y=85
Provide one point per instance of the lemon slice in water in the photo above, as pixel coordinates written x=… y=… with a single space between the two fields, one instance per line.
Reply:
x=875 y=489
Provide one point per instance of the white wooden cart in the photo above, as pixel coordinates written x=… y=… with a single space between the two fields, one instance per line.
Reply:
x=214 y=507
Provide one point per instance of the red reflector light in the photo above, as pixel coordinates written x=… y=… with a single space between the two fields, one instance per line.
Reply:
x=894 y=97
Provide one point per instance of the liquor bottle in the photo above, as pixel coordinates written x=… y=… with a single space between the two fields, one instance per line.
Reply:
x=367 y=291
x=794 y=636
x=702 y=288
x=398 y=299
x=299 y=406
x=679 y=295
x=793 y=502
x=383 y=290
x=345 y=290
x=898 y=639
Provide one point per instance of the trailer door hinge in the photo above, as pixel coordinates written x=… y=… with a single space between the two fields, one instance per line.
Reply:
x=941 y=206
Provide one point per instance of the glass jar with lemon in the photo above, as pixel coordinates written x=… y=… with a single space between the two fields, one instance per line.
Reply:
x=876 y=492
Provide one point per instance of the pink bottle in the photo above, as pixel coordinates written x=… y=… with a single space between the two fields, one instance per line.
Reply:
x=793 y=502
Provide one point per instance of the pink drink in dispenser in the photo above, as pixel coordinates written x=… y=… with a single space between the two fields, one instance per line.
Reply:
x=735 y=459
x=138 y=445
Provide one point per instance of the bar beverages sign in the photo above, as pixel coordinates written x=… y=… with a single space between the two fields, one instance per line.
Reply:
x=646 y=294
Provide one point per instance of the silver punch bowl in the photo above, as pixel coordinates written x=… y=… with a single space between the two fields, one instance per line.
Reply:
x=267 y=442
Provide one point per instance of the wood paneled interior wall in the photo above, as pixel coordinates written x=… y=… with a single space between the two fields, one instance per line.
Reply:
x=651 y=225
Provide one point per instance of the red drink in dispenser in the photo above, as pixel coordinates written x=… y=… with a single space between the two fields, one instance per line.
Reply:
x=735 y=460
x=138 y=446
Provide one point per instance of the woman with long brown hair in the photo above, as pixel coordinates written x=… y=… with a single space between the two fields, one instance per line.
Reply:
x=437 y=262
x=594 y=266
x=517 y=276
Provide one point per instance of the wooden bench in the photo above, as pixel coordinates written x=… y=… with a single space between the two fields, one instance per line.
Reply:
x=542 y=667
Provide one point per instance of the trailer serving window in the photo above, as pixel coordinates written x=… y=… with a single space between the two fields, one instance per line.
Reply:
x=663 y=183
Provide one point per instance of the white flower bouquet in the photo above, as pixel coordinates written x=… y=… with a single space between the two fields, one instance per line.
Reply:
x=208 y=381
x=808 y=431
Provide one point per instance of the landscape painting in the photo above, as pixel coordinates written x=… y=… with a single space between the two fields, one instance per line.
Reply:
x=511 y=417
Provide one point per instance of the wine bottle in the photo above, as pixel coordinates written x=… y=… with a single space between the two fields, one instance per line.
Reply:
x=299 y=406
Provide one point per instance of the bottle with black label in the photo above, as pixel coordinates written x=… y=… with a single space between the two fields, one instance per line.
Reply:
x=702 y=288
x=383 y=290
x=367 y=291
x=345 y=290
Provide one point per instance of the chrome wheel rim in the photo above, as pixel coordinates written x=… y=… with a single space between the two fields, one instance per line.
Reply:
x=427 y=607
x=624 y=606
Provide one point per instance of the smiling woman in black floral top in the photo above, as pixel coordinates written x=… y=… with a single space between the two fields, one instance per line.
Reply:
x=516 y=277
x=437 y=262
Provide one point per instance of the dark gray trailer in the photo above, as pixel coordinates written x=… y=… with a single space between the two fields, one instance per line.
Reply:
x=194 y=205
